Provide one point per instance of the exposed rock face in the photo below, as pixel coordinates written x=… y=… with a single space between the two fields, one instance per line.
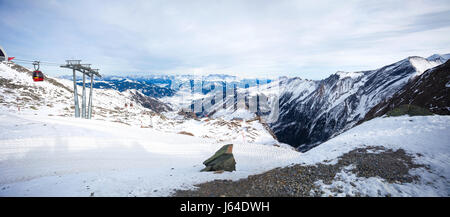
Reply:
x=150 y=102
x=431 y=91
x=223 y=160
x=187 y=114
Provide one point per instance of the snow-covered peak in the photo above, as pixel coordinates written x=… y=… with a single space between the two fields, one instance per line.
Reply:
x=439 y=57
x=421 y=64
x=343 y=74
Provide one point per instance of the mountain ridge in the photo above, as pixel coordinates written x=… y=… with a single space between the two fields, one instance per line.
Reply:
x=340 y=102
x=429 y=90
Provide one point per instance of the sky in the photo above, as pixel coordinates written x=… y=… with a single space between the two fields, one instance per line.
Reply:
x=249 y=38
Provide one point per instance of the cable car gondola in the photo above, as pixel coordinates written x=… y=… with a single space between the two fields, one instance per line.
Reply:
x=37 y=75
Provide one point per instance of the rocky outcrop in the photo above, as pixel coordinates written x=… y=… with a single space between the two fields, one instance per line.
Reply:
x=150 y=102
x=222 y=160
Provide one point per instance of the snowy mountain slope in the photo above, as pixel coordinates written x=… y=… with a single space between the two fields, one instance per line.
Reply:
x=237 y=102
x=144 y=154
x=422 y=64
x=40 y=141
x=310 y=112
x=439 y=58
x=427 y=140
x=198 y=88
x=429 y=90
x=149 y=102
x=372 y=159
x=54 y=97
x=61 y=156
x=340 y=101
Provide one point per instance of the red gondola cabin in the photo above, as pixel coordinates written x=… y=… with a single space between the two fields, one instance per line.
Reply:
x=38 y=76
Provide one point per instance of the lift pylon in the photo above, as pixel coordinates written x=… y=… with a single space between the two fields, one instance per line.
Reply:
x=85 y=69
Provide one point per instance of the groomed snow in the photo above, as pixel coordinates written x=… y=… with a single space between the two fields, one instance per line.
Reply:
x=60 y=156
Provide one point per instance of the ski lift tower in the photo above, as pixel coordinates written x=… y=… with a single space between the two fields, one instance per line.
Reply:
x=85 y=69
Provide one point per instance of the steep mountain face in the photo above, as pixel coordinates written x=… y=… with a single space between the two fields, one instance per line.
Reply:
x=263 y=94
x=341 y=100
x=439 y=57
x=149 y=102
x=430 y=90
x=198 y=89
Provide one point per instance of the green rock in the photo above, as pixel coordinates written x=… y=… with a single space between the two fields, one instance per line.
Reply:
x=410 y=110
x=223 y=159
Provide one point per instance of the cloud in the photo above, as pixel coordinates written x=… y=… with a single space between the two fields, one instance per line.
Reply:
x=309 y=39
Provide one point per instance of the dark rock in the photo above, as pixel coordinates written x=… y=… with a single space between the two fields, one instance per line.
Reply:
x=150 y=102
x=223 y=159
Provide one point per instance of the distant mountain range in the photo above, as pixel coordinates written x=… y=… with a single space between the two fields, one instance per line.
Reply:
x=166 y=85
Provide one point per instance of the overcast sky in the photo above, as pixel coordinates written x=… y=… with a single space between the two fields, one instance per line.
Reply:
x=309 y=39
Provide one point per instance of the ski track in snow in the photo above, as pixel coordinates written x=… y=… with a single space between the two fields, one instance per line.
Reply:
x=43 y=156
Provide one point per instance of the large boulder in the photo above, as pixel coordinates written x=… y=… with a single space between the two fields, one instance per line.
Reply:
x=222 y=160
